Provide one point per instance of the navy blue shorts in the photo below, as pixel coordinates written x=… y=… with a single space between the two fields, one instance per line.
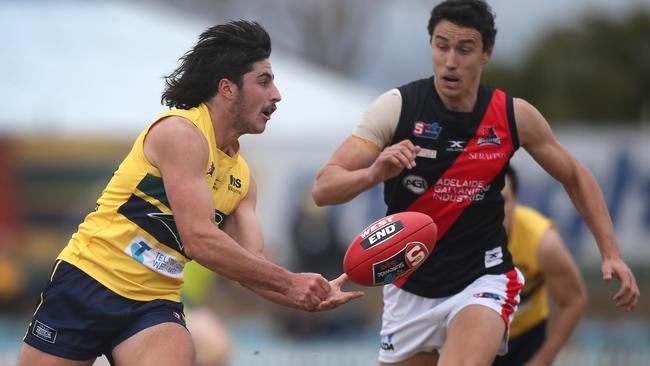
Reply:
x=80 y=319
x=521 y=349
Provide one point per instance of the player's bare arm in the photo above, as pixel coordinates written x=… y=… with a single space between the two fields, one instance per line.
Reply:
x=536 y=137
x=180 y=152
x=244 y=227
x=358 y=165
x=567 y=291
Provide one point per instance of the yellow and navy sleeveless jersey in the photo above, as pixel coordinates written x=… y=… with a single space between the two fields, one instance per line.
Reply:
x=528 y=227
x=130 y=243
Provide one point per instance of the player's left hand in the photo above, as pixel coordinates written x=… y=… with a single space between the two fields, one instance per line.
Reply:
x=336 y=296
x=628 y=295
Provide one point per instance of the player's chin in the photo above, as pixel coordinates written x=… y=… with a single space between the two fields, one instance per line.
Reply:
x=257 y=128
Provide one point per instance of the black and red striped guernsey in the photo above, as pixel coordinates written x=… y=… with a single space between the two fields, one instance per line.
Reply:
x=457 y=181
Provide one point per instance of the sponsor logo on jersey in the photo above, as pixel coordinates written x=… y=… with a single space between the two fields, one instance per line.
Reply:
x=387 y=342
x=415 y=184
x=234 y=185
x=427 y=130
x=217 y=182
x=459 y=190
x=488 y=156
x=427 y=153
x=210 y=171
x=154 y=258
x=456 y=146
x=489 y=137
x=493 y=257
x=44 y=332
x=382 y=234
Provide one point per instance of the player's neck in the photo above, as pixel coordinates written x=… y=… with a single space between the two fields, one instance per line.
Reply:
x=463 y=101
x=225 y=134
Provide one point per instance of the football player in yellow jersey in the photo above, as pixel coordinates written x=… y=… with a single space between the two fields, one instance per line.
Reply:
x=182 y=193
x=539 y=253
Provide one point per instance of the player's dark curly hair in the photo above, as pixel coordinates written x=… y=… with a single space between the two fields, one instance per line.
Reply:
x=223 y=51
x=475 y=14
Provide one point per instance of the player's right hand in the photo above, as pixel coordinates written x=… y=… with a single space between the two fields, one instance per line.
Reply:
x=307 y=290
x=628 y=295
x=338 y=297
x=393 y=159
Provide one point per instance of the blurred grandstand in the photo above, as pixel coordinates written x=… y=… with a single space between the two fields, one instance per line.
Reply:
x=83 y=78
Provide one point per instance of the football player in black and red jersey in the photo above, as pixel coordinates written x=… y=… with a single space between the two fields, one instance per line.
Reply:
x=441 y=146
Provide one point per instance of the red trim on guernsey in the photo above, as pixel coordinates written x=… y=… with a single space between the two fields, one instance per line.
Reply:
x=512 y=291
x=467 y=168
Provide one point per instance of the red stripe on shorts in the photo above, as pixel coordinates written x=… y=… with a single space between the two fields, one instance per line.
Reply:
x=512 y=290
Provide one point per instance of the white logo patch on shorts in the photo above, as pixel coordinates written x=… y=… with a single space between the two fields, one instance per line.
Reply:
x=42 y=331
x=493 y=257
x=154 y=258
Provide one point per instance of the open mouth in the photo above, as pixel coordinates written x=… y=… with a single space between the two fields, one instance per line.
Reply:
x=450 y=79
x=268 y=111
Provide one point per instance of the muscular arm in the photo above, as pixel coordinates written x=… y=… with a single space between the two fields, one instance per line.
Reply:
x=244 y=227
x=567 y=291
x=536 y=137
x=358 y=165
x=361 y=161
x=180 y=152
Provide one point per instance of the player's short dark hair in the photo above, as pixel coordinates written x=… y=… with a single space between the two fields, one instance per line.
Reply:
x=223 y=51
x=475 y=14
x=514 y=179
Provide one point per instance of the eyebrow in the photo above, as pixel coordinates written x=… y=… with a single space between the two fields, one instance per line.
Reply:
x=464 y=41
x=266 y=74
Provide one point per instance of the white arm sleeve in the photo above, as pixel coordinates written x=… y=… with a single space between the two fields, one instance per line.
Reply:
x=379 y=122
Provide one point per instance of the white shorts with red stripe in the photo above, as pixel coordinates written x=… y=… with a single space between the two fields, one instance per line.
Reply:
x=412 y=323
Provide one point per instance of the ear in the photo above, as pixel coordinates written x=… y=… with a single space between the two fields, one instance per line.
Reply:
x=487 y=55
x=227 y=89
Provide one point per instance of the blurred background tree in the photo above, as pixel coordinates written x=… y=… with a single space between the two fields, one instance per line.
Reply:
x=596 y=70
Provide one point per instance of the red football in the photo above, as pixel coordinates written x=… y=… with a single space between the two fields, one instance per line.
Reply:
x=390 y=248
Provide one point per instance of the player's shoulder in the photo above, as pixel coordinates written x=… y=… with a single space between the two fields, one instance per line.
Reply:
x=387 y=100
x=174 y=125
x=532 y=127
x=525 y=112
